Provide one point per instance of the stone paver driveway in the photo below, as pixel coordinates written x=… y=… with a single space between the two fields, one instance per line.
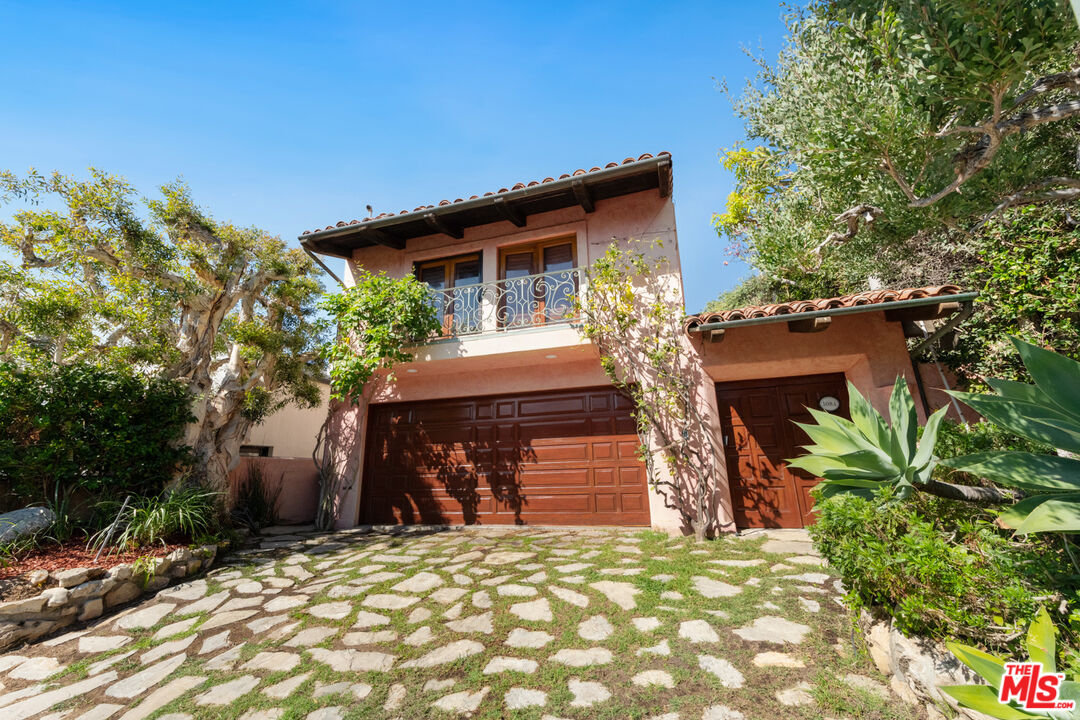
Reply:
x=531 y=623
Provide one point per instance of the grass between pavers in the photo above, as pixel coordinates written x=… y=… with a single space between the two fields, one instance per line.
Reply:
x=695 y=688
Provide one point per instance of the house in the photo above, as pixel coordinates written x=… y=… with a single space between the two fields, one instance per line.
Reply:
x=509 y=418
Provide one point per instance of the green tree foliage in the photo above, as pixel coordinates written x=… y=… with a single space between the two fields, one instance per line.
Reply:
x=378 y=318
x=909 y=142
x=227 y=311
x=757 y=289
x=107 y=431
x=1026 y=268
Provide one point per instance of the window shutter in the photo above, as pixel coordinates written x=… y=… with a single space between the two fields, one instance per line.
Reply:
x=519 y=264
x=558 y=257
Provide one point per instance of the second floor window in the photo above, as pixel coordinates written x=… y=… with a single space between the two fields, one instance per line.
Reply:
x=539 y=282
x=455 y=291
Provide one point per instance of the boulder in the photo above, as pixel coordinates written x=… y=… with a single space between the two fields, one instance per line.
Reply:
x=122 y=593
x=93 y=588
x=56 y=597
x=17 y=523
x=91 y=609
x=156 y=583
x=121 y=572
x=26 y=606
x=71 y=578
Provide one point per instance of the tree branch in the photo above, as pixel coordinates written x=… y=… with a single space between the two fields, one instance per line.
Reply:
x=30 y=259
x=977 y=155
x=851 y=218
x=1069 y=80
x=1070 y=190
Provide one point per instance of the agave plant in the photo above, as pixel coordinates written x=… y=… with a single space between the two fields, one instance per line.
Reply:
x=1048 y=412
x=866 y=453
x=1041 y=647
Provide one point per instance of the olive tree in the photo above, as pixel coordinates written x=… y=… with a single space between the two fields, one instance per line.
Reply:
x=886 y=126
x=160 y=284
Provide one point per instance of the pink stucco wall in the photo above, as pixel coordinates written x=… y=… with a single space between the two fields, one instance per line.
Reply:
x=516 y=361
x=295 y=479
x=868 y=350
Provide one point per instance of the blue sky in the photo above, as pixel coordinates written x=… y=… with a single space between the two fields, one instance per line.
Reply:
x=294 y=115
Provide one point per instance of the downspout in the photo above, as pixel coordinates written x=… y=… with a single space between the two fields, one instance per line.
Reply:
x=928 y=343
x=315 y=257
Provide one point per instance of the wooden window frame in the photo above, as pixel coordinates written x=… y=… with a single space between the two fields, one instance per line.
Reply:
x=538 y=246
x=450 y=264
x=538 y=252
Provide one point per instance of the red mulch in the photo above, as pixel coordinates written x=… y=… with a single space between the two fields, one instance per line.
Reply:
x=73 y=554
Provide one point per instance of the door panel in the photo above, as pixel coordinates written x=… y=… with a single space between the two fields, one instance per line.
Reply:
x=757 y=420
x=546 y=458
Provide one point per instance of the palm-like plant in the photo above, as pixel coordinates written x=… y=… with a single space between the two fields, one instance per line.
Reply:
x=867 y=453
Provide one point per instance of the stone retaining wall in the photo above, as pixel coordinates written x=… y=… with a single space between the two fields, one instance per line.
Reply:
x=917 y=667
x=85 y=593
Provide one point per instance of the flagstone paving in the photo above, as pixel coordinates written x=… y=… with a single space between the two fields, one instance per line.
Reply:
x=536 y=623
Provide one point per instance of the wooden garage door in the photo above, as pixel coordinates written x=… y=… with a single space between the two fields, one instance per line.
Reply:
x=756 y=418
x=557 y=458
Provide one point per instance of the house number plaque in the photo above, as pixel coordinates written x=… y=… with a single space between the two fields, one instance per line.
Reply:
x=829 y=403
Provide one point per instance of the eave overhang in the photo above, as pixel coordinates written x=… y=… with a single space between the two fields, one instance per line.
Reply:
x=887 y=307
x=515 y=206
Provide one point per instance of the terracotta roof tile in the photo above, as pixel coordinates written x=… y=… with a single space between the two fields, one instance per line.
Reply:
x=518 y=186
x=794 y=307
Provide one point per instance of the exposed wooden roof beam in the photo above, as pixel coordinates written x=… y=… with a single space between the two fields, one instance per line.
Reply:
x=714 y=336
x=663 y=174
x=439 y=225
x=581 y=193
x=912 y=330
x=381 y=237
x=923 y=312
x=809 y=325
x=510 y=212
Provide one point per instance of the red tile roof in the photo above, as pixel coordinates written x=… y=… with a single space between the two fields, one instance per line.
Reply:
x=518 y=186
x=794 y=307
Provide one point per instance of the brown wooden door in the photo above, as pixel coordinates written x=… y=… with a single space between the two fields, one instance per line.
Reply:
x=555 y=458
x=757 y=420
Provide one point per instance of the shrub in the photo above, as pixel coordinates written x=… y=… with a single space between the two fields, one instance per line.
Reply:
x=941 y=568
x=256 y=504
x=91 y=428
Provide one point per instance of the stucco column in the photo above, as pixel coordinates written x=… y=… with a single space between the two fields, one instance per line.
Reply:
x=343 y=456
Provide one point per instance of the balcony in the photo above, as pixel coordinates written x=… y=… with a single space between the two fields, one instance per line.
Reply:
x=522 y=302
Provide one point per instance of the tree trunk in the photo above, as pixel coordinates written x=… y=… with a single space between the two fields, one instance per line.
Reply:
x=969 y=493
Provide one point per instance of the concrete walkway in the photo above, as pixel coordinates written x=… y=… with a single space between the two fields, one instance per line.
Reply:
x=532 y=623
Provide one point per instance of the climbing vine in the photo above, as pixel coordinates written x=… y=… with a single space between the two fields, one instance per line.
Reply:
x=378 y=319
x=632 y=312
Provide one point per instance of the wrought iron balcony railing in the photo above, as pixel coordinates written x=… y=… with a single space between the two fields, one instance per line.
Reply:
x=527 y=301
